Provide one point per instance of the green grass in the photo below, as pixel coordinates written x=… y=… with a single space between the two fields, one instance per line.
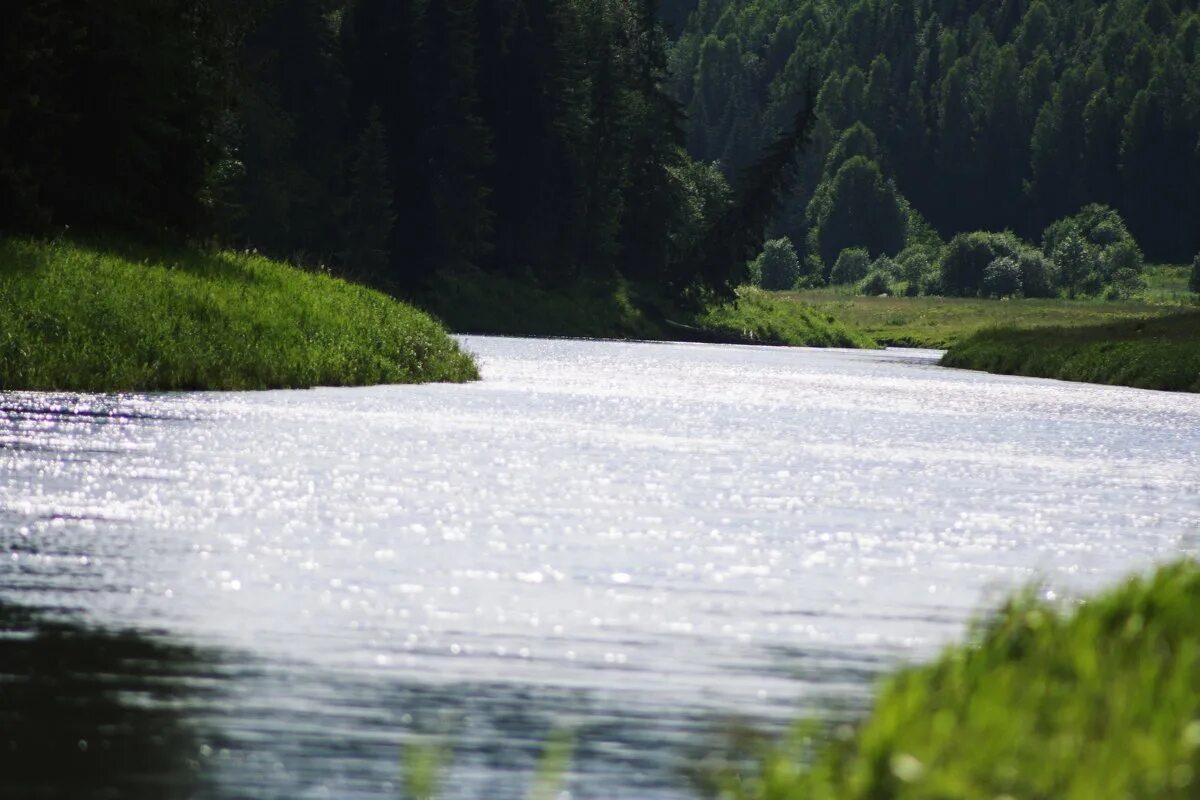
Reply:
x=1167 y=285
x=940 y=322
x=770 y=318
x=1161 y=353
x=116 y=317
x=1101 y=702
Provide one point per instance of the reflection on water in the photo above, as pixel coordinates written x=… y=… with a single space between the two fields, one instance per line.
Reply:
x=644 y=544
x=89 y=714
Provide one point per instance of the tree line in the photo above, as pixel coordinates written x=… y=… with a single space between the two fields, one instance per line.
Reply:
x=949 y=116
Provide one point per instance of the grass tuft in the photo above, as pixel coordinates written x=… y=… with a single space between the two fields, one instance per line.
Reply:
x=111 y=317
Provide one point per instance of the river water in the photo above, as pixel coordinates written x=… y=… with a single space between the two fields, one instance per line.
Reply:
x=642 y=545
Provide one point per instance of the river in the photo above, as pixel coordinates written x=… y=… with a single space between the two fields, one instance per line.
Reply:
x=643 y=545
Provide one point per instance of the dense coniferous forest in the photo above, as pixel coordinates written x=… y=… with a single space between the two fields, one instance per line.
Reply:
x=559 y=141
x=980 y=114
x=389 y=139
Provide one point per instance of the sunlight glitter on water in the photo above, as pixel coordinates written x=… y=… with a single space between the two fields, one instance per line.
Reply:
x=643 y=540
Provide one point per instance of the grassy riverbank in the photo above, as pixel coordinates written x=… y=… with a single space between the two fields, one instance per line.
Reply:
x=1161 y=353
x=940 y=322
x=119 y=317
x=1102 y=702
x=761 y=317
x=474 y=302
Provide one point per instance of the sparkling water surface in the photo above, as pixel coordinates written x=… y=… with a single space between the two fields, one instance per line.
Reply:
x=643 y=544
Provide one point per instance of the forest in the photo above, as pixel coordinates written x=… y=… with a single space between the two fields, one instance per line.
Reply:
x=956 y=116
x=557 y=141
x=387 y=140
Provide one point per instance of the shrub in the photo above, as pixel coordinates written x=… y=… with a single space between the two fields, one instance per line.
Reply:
x=967 y=258
x=1194 y=279
x=1108 y=250
x=1002 y=278
x=1123 y=284
x=777 y=267
x=876 y=283
x=851 y=266
x=915 y=266
x=1097 y=225
x=1077 y=267
x=1123 y=256
x=1038 y=275
x=888 y=266
x=812 y=272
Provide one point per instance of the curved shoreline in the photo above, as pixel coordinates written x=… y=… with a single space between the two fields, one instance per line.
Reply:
x=115 y=317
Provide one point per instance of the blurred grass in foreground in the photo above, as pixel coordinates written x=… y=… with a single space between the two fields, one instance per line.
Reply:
x=1100 y=702
x=113 y=316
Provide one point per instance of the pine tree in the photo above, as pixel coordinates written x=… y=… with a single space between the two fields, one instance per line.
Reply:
x=369 y=217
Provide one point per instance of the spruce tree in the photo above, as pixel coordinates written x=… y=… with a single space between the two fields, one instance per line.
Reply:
x=369 y=217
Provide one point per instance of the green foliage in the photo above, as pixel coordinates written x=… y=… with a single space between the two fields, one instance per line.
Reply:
x=852 y=266
x=1098 y=701
x=916 y=267
x=706 y=196
x=1194 y=277
x=84 y=317
x=857 y=208
x=877 y=282
x=1110 y=251
x=967 y=257
x=116 y=114
x=987 y=116
x=1002 y=278
x=758 y=317
x=470 y=300
x=1077 y=266
x=370 y=217
x=886 y=265
x=777 y=267
x=1039 y=277
x=1159 y=353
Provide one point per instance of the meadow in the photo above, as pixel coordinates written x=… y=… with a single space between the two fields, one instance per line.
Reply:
x=939 y=322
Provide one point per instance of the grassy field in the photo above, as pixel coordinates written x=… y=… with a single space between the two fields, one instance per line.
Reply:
x=1044 y=702
x=118 y=317
x=940 y=322
x=1160 y=353
x=1167 y=285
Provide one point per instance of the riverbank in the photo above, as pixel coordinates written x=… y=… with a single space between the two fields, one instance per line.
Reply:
x=1043 y=702
x=1160 y=353
x=473 y=302
x=942 y=322
x=112 y=316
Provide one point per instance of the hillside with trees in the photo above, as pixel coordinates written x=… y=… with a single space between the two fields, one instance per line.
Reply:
x=952 y=116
